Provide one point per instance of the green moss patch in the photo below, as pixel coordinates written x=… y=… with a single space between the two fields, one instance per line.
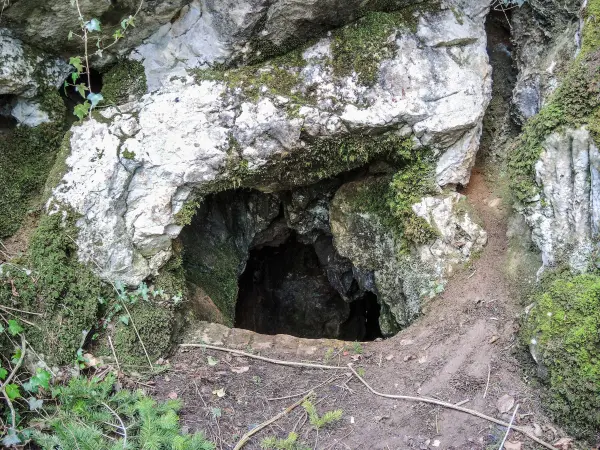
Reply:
x=360 y=47
x=391 y=197
x=57 y=286
x=564 y=325
x=124 y=81
x=28 y=154
x=575 y=103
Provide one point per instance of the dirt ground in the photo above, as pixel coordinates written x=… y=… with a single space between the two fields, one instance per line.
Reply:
x=466 y=333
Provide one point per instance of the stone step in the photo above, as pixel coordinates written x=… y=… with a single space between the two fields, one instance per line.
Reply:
x=240 y=339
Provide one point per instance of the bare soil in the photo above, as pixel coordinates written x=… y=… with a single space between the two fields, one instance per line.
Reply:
x=464 y=334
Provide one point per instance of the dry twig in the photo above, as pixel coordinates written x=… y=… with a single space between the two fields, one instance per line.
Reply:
x=252 y=432
x=263 y=358
x=509 y=426
x=451 y=406
x=114 y=413
x=488 y=380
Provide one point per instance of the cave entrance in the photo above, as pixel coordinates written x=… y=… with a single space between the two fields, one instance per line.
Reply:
x=285 y=289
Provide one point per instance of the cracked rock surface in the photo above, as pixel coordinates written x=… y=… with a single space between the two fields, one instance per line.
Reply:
x=133 y=169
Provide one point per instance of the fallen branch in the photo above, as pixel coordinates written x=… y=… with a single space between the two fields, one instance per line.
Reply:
x=114 y=413
x=512 y=419
x=263 y=358
x=252 y=432
x=451 y=406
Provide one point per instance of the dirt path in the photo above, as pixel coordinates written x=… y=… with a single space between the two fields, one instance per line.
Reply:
x=446 y=354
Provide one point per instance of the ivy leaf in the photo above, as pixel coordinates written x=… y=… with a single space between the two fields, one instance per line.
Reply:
x=42 y=377
x=124 y=23
x=95 y=98
x=75 y=61
x=143 y=290
x=70 y=36
x=93 y=25
x=31 y=386
x=15 y=358
x=12 y=391
x=14 y=328
x=81 y=110
x=124 y=318
x=81 y=88
x=11 y=438
x=3 y=373
x=34 y=403
x=118 y=34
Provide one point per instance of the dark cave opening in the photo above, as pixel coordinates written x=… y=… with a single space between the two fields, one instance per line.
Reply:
x=285 y=290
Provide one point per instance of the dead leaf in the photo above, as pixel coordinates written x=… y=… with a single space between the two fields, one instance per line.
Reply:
x=505 y=403
x=493 y=339
x=389 y=357
x=346 y=353
x=355 y=357
x=409 y=357
x=92 y=361
x=219 y=392
x=212 y=361
x=564 y=444
x=242 y=369
x=172 y=395
x=509 y=445
x=537 y=430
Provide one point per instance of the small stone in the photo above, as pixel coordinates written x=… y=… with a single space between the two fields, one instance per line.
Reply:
x=505 y=403
x=493 y=339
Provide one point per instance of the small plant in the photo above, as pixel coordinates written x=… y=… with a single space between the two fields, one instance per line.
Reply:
x=92 y=414
x=326 y=419
x=357 y=348
x=328 y=355
x=289 y=443
x=90 y=30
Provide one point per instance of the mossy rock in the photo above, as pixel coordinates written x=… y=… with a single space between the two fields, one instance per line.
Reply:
x=28 y=154
x=154 y=323
x=53 y=283
x=575 y=103
x=562 y=329
x=124 y=82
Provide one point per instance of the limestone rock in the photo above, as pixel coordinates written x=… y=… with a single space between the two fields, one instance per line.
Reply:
x=565 y=217
x=45 y=24
x=545 y=32
x=401 y=278
x=24 y=70
x=131 y=172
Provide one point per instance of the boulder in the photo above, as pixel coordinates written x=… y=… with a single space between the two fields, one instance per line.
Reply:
x=285 y=123
x=565 y=216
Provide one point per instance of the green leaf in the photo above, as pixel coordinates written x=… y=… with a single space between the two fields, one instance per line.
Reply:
x=12 y=391
x=74 y=77
x=2 y=329
x=95 y=98
x=82 y=109
x=15 y=358
x=31 y=386
x=75 y=61
x=118 y=34
x=124 y=23
x=212 y=361
x=14 y=328
x=124 y=318
x=3 y=373
x=42 y=377
x=34 y=403
x=70 y=35
x=11 y=438
x=93 y=25
x=81 y=88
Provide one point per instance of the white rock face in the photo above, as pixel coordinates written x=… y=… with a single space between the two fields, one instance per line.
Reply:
x=22 y=68
x=435 y=87
x=565 y=218
x=459 y=235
